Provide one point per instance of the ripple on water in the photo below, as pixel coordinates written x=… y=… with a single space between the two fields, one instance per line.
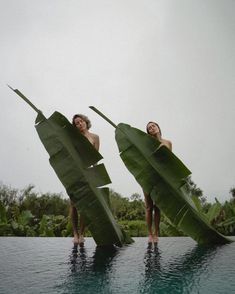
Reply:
x=175 y=265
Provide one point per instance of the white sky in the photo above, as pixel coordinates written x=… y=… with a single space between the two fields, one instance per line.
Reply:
x=171 y=61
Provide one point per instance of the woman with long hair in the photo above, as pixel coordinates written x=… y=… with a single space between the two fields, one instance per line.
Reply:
x=152 y=212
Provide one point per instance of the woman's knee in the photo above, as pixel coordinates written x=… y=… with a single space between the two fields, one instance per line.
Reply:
x=148 y=202
x=149 y=206
x=156 y=209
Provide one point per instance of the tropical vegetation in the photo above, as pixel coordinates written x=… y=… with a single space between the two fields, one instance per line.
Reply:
x=29 y=213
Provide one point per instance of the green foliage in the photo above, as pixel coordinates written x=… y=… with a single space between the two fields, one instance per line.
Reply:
x=214 y=212
x=8 y=195
x=127 y=209
x=22 y=223
x=46 y=227
x=53 y=226
x=227 y=226
x=232 y=192
x=25 y=209
x=136 y=228
x=25 y=217
x=194 y=191
x=51 y=203
x=37 y=214
x=168 y=230
x=6 y=229
x=225 y=222
x=3 y=215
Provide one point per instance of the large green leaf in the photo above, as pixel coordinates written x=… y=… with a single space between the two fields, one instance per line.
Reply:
x=74 y=159
x=25 y=217
x=163 y=175
x=214 y=211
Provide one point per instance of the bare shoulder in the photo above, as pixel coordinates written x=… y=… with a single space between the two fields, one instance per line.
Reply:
x=95 y=140
x=94 y=136
x=167 y=143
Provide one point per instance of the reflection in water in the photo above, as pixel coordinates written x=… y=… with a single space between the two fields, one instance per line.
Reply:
x=186 y=272
x=90 y=273
x=165 y=268
x=100 y=261
x=152 y=268
x=152 y=259
x=181 y=273
x=78 y=258
x=176 y=265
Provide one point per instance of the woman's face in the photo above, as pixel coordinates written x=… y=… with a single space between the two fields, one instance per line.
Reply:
x=153 y=129
x=80 y=124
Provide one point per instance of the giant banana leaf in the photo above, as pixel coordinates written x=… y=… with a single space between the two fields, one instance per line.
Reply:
x=74 y=159
x=163 y=175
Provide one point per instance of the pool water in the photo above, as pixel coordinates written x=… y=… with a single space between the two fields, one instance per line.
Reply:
x=176 y=265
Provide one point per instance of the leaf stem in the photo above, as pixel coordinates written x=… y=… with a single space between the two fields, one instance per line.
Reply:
x=102 y=115
x=26 y=99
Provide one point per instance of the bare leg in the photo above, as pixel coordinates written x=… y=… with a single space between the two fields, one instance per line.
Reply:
x=82 y=226
x=149 y=215
x=82 y=230
x=157 y=216
x=74 y=219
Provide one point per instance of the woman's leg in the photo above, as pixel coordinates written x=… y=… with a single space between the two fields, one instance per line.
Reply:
x=74 y=220
x=149 y=215
x=82 y=230
x=157 y=216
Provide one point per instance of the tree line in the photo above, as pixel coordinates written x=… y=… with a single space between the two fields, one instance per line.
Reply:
x=29 y=213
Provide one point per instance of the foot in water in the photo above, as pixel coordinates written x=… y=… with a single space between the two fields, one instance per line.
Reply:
x=150 y=239
x=155 y=239
x=78 y=240
x=81 y=241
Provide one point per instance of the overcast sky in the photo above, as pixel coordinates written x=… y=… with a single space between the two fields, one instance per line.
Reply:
x=171 y=61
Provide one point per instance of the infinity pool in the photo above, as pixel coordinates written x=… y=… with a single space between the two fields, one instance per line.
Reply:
x=176 y=265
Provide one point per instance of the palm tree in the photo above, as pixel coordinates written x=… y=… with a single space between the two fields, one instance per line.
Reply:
x=232 y=192
x=193 y=190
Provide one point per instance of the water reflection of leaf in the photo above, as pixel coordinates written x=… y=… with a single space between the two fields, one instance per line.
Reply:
x=183 y=273
x=102 y=258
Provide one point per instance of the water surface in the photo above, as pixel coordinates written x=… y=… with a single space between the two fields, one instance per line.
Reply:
x=176 y=265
